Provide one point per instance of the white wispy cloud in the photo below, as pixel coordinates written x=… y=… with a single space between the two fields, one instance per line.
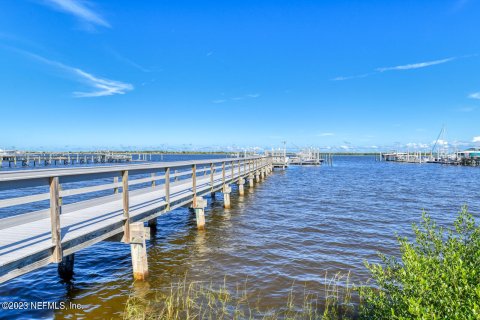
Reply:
x=440 y=142
x=246 y=96
x=127 y=61
x=104 y=87
x=467 y=109
x=410 y=66
x=475 y=95
x=476 y=139
x=326 y=134
x=417 y=145
x=101 y=86
x=78 y=9
x=416 y=65
x=352 y=77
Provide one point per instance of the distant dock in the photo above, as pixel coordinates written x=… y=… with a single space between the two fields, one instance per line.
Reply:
x=36 y=159
x=469 y=157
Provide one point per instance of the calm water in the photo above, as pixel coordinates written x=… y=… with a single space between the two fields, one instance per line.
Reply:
x=293 y=227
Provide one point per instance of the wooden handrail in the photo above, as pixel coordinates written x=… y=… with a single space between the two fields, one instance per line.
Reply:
x=207 y=167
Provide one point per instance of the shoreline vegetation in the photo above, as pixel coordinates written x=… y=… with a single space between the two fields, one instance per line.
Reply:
x=436 y=276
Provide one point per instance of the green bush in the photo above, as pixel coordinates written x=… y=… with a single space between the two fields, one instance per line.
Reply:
x=437 y=276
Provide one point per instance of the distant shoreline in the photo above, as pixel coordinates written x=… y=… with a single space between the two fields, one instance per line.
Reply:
x=188 y=152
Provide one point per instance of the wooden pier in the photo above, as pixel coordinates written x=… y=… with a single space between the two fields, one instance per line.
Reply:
x=66 y=210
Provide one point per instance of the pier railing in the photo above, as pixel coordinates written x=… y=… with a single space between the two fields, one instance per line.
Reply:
x=64 y=210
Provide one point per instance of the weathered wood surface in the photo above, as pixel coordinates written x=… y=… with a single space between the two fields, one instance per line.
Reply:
x=34 y=239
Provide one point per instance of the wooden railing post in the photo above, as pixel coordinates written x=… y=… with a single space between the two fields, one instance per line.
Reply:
x=212 y=173
x=153 y=181
x=194 y=184
x=55 y=210
x=115 y=189
x=223 y=173
x=167 y=187
x=126 y=207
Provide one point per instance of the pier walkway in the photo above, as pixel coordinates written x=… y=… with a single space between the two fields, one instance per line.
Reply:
x=61 y=211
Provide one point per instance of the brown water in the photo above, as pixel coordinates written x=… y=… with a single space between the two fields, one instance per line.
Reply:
x=292 y=227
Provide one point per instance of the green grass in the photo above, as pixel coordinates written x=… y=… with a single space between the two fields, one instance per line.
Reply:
x=198 y=300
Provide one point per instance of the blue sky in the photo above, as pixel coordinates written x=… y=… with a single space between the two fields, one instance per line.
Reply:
x=343 y=75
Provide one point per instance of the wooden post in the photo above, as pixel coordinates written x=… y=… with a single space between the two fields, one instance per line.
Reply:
x=239 y=169
x=231 y=178
x=139 y=251
x=167 y=188
x=194 y=184
x=65 y=268
x=55 y=210
x=212 y=173
x=126 y=212
x=199 y=208
x=241 y=189
x=226 y=196
x=115 y=189
x=223 y=173
x=152 y=223
x=153 y=181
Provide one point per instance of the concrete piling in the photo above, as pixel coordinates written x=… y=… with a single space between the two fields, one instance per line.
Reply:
x=241 y=189
x=138 y=250
x=199 y=208
x=226 y=196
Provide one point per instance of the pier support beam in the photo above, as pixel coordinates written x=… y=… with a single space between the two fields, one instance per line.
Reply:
x=257 y=177
x=241 y=189
x=65 y=267
x=152 y=223
x=226 y=196
x=250 y=181
x=138 y=234
x=199 y=208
